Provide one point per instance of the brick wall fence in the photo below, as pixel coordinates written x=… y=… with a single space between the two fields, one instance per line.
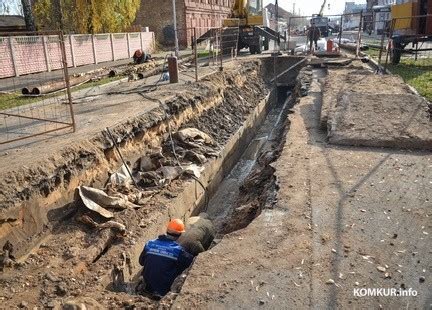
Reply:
x=20 y=55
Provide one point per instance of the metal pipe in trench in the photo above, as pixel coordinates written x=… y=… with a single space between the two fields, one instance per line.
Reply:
x=53 y=86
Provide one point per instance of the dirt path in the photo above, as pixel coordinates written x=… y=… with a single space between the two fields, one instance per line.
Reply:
x=345 y=218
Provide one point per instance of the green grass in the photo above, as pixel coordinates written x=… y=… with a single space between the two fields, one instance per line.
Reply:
x=417 y=73
x=15 y=99
x=374 y=53
x=202 y=54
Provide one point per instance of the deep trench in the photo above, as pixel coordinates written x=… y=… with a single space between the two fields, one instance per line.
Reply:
x=232 y=206
x=226 y=205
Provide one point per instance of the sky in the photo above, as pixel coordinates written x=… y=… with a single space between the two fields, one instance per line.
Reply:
x=309 y=7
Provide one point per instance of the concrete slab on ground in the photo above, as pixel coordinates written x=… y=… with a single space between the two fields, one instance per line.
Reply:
x=382 y=120
x=356 y=78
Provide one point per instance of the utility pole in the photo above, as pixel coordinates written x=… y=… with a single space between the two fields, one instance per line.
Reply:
x=175 y=29
x=294 y=8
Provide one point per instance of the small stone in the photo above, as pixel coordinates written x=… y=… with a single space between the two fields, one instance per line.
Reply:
x=51 y=277
x=61 y=290
x=422 y=279
x=380 y=268
x=23 y=304
x=261 y=302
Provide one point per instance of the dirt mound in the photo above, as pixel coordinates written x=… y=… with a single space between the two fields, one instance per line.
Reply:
x=76 y=259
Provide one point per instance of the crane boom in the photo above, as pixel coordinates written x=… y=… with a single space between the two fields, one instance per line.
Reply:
x=322 y=8
x=239 y=9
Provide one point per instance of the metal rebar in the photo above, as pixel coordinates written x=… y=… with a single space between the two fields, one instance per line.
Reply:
x=196 y=53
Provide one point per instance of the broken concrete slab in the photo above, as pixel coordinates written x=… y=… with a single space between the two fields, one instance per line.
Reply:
x=356 y=79
x=382 y=120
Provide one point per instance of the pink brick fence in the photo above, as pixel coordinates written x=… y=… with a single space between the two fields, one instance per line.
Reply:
x=20 y=55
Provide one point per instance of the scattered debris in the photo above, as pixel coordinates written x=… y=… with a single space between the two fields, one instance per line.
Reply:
x=94 y=199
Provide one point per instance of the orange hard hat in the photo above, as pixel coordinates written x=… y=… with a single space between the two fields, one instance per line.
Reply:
x=176 y=227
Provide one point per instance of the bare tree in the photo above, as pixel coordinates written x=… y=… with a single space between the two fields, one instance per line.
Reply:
x=28 y=15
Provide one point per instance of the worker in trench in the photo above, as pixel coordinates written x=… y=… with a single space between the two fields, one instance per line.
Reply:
x=314 y=35
x=166 y=257
x=140 y=57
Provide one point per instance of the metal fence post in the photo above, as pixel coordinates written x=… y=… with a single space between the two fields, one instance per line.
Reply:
x=141 y=44
x=359 y=35
x=45 y=49
x=393 y=22
x=289 y=34
x=340 y=30
x=112 y=46
x=381 y=47
x=12 y=51
x=94 y=48
x=66 y=76
x=221 y=50
x=71 y=43
x=128 y=44
x=196 y=53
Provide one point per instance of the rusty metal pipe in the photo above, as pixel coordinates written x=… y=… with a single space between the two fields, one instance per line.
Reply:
x=25 y=91
x=58 y=85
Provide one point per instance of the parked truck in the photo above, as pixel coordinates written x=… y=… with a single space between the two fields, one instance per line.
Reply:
x=411 y=24
x=247 y=17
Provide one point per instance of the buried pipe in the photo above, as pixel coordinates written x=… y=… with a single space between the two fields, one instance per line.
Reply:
x=25 y=91
x=113 y=73
x=55 y=86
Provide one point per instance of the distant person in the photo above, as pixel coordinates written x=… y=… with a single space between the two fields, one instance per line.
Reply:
x=313 y=35
x=164 y=259
x=140 y=57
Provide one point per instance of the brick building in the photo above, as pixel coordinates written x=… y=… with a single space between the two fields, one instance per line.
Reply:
x=202 y=14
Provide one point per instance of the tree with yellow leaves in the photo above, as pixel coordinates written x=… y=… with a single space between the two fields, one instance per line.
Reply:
x=86 y=16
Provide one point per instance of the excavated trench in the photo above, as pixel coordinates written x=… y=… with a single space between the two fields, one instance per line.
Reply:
x=246 y=187
x=235 y=183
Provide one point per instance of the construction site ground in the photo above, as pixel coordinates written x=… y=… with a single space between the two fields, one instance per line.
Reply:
x=338 y=218
x=345 y=218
